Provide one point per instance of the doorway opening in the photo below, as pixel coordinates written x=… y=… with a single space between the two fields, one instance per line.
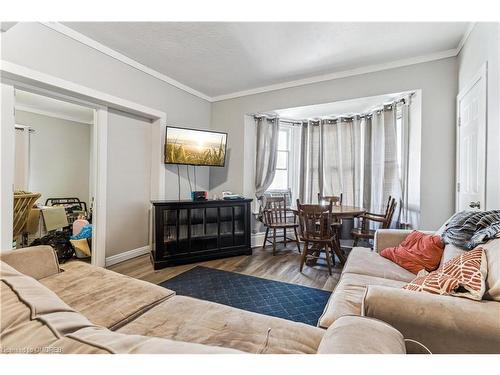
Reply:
x=53 y=175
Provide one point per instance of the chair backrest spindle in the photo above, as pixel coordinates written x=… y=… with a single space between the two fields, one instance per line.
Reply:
x=315 y=221
x=275 y=210
x=336 y=200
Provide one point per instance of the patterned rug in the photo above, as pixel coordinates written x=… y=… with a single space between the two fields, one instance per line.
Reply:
x=274 y=298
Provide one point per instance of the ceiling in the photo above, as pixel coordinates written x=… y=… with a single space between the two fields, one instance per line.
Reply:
x=29 y=102
x=220 y=58
x=337 y=109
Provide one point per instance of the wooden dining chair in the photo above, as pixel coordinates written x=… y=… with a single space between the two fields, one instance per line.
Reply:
x=335 y=199
x=316 y=230
x=385 y=219
x=278 y=217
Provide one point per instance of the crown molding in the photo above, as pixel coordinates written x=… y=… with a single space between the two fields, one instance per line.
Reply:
x=342 y=74
x=27 y=108
x=465 y=36
x=62 y=29
x=67 y=31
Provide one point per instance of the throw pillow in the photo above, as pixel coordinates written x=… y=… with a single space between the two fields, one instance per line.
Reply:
x=419 y=251
x=463 y=276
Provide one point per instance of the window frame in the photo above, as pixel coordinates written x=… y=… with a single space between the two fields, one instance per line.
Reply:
x=287 y=151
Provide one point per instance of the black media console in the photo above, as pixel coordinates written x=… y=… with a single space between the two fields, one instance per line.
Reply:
x=193 y=231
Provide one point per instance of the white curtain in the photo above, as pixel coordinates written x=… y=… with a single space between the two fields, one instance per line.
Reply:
x=22 y=158
x=385 y=178
x=311 y=177
x=332 y=159
x=265 y=162
x=365 y=158
x=385 y=174
x=408 y=217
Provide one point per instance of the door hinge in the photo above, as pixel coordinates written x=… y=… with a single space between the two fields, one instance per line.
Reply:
x=458 y=187
x=459 y=121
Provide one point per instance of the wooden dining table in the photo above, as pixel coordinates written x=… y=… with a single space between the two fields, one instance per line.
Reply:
x=347 y=212
x=342 y=212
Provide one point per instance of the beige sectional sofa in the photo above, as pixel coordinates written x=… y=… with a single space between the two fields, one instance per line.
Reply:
x=79 y=308
x=371 y=286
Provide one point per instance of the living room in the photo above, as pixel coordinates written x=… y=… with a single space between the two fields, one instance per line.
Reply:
x=257 y=185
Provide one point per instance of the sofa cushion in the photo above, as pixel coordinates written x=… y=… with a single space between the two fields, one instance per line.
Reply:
x=419 y=251
x=492 y=249
x=463 y=276
x=34 y=320
x=361 y=335
x=348 y=296
x=22 y=332
x=32 y=317
x=36 y=261
x=444 y=324
x=363 y=261
x=450 y=251
x=119 y=343
x=188 y=319
x=105 y=297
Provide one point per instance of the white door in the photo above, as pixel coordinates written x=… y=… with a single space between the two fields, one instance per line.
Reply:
x=471 y=144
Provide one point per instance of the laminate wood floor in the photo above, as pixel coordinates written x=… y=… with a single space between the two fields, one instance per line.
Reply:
x=284 y=266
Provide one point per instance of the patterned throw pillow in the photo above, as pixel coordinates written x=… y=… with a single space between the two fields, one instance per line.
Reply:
x=462 y=276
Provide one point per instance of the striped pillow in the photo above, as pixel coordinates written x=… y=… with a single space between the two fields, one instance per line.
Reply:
x=462 y=276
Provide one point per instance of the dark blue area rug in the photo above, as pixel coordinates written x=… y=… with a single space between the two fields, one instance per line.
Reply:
x=274 y=298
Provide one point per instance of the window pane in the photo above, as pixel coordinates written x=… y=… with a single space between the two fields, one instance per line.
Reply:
x=283 y=140
x=282 y=160
x=280 y=180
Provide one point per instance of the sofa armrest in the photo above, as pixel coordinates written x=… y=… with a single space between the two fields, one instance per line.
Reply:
x=361 y=335
x=37 y=261
x=385 y=238
x=444 y=324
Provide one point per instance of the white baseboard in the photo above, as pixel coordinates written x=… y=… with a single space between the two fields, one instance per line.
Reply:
x=257 y=239
x=118 y=258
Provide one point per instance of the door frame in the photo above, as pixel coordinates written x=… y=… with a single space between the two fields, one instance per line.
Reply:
x=15 y=76
x=482 y=74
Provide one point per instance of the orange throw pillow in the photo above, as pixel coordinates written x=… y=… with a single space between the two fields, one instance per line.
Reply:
x=417 y=252
x=462 y=276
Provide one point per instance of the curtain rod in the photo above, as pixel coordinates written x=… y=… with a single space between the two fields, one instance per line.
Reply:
x=340 y=118
x=23 y=128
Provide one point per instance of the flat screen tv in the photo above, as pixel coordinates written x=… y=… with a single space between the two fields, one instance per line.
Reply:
x=195 y=147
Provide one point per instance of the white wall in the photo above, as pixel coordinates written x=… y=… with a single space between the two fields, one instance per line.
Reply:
x=59 y=160
x=38 y=47
x=128 y=183
x=436 y=79
x=483 y=45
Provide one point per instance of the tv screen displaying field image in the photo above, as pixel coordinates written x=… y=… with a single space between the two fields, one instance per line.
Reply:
x=195 y=147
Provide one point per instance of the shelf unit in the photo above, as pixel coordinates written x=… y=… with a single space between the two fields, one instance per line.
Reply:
x=193 y=231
